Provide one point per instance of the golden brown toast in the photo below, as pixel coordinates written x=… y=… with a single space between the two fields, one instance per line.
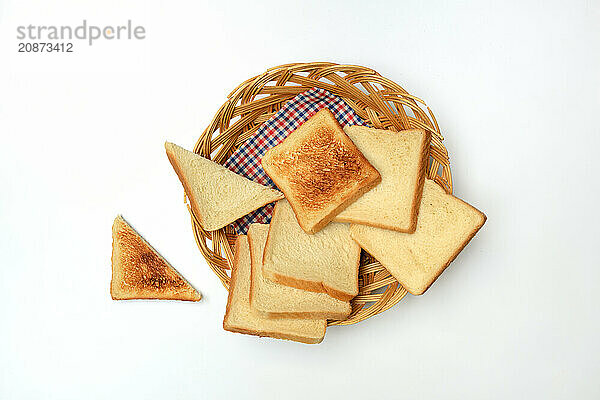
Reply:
x=319 y=170
x=139 y=272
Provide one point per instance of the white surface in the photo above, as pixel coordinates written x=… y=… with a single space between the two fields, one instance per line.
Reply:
x=516 y=90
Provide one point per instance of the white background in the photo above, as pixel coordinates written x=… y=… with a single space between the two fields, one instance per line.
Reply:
x=516 y=89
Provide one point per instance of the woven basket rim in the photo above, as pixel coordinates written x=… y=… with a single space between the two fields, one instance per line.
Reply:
x=379 y=101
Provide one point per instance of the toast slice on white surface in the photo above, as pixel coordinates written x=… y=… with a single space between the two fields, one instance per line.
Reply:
x=319 y=170
x=446 y=224
x=325 y=262
x=140 y=272
x=275 y=300
x=401 y=159
x=241 y=318
x=217 y=195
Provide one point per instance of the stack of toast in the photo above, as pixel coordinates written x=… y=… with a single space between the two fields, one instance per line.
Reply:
x=342 y=190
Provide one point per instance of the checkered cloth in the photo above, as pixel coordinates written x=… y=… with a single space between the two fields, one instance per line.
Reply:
x=246 y=159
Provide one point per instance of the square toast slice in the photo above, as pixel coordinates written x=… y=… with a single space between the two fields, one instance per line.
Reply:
x=319 y=170
x=446 y=224
x=275 y=300
x=325 y=262
x=401 y=159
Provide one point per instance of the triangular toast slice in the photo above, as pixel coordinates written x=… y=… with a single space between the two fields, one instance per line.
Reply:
x=325 y=262
x=139 y=272
x=446 y=224
x=241 y=318
x=217 y=195
x=275 y=300
x=401 y=159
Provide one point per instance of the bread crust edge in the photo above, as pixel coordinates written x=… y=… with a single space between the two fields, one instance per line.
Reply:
x=276 y=335
x=417 y=291
x=186 y=187
x=375 y=180
x=304 y=315
x=232 y=281
x=412 y=226
x=421 y=290
x=416 y=205
x=194 y=203
x=311 y=286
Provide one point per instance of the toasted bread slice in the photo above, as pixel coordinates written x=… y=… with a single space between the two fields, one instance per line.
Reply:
x=401 y=159
x=319 y=170
x=139 y=272
x=275 y=300
x=217 y=195
x=446 y=224
x=241 y=318
x=325 y=262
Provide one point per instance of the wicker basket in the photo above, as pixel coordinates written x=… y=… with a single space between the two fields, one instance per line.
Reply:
x=377 y=100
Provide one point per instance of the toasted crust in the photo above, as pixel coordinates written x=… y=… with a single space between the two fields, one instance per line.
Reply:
x=420 y=179
x=309 y=315
x=311 y=286
x=275 y=335
x=351 y=199
x=233 y=279
x=420 y=182
x=263 y=332
x=320 y=170
x=140 y=272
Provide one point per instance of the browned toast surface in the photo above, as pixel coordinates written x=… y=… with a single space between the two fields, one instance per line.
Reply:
x=140 y=272
x=319 y=170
